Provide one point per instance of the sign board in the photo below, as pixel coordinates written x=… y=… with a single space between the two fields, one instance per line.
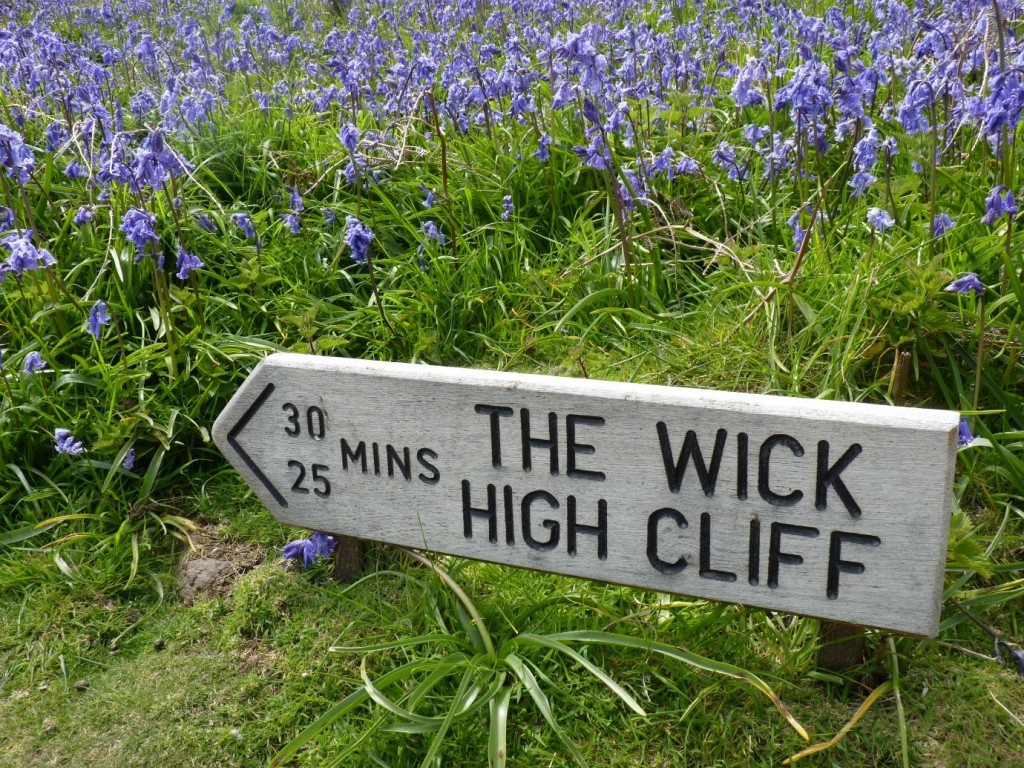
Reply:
x=829 y=509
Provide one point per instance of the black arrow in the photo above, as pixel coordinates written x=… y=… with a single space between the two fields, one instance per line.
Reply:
x=233 y=442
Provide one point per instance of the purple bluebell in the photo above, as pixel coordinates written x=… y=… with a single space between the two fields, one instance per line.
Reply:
x=859 y=183
x=295 y=200
x=357 y=237
x=15 y=155
x=310 y=550
x=187 y=263
x=66 y=443
x=349 y=136
x=999 y=203
x=291 y=220
x=34 y=363
x=98 y=318
x=6 y=218
x=429 y=199
x=969 y=283
x=244 y=223
x=432 y=232
x=964 y=436
x=329 y=216
x=129 y=460
x=880 y=219
x=139 y=227
x=507 y=208
x=84 y=215
x=25 y=256
x=744 y=93
x=206 y=223
x=941 y=224
x=543 y=152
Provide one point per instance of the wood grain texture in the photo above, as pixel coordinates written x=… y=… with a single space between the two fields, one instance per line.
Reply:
x=829 y=509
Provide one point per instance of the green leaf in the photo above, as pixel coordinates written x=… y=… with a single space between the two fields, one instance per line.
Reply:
x=549 y=641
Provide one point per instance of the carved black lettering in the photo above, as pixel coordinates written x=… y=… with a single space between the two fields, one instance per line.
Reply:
x=837 y=565
x=435 y=475
x=490 y=514
x=293 y=418
x=675 y=469
x=323 y=485
x=316 y=423
x=529 y=443
x=297 y=486
x=763 y=471
x=754 y=553
x=510 y=520
x=551 y=525
x=359 y=454
x=495 y=412
x=706 y=571
x=741 y=465
x=600 y=530
x=775 y=553
x=405 y=467
x=663 y=566
x=376 y=459
x=830 y=476
x=573 y=448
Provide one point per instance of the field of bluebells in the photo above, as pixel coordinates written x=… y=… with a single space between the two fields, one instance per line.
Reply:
x=784 y=197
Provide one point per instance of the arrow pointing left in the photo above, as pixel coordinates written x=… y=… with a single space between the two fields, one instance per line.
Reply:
x=233 y=442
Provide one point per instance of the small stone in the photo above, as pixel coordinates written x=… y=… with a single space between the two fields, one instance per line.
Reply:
x=81 y=685
x=43 y=686
x=158 y=644
x=49 y=725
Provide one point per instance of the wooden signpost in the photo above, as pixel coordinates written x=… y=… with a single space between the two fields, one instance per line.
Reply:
x=827 y=509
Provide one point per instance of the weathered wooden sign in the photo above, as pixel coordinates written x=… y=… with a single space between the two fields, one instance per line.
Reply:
x=829 y=509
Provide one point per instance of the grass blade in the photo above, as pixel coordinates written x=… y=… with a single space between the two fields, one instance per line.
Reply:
x=548 y=641
x=692 y=659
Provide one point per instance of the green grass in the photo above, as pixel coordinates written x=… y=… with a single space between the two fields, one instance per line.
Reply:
x=232 y=679
x=713 y=297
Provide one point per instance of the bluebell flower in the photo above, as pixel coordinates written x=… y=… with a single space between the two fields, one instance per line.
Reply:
x=310 y=550
x=244 y=223
x=543 y=152
x=357 y=237
x=966 y=284
x=291 y=220
x=98 y=318
x=187 y=263
x=432 y=232
x=25 y=256
x=83 y=215
x=998 y=205
x=129 y=460
x=6 y=218
x=206 y=223
x=349 y=136
x=964 y=436
x=860 y=181
x=34 y=363
x=15 y=155
x=942 y=224
x=139 y=227
x=506 y=208
x=429 y=199
x=880 y=219
x=329 y=216
x=66 y=443
x=296 y=200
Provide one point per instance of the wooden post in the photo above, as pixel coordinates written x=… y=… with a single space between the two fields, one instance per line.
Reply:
x=841 y=646
x=349 y=555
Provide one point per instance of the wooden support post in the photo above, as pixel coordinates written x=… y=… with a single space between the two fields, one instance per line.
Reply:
x=349 y=555
x=841 y=646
